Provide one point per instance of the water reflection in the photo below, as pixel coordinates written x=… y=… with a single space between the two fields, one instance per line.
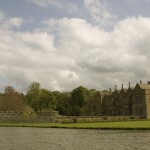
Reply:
x=72 y=139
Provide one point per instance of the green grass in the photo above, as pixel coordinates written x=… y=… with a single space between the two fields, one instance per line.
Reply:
x=128 y=125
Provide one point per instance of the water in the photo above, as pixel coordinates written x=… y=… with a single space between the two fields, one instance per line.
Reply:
x=14 y=138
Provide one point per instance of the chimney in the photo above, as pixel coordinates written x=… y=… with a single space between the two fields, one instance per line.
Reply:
x=110 y=90
x=122 y=86
x=140 y=82
x=148 y=82
x=129 y=85
x=115 y=87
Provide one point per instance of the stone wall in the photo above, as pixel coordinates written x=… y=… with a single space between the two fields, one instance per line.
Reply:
x=64 y=119
x=22 y=119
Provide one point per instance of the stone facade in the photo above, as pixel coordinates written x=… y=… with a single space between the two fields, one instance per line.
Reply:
x=127 y=102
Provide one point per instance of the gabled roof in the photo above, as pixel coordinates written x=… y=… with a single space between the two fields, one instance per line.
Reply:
x=118 y=91
x=144 y=86
x=130 y=89
x=125 y=90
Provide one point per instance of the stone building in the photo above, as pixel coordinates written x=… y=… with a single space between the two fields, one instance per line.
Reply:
x=127 y=102
x=106 y=103
x=141 y=100
x=94 y=104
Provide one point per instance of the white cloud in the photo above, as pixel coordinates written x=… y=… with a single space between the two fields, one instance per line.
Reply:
x=98 y=54
x=133 y=1
x=11 y=22
x=99 y=12
x=15 y=22
x=71 y=8
x=82 y=54
x=2 y=15
x=65 y=5
x=46 y=3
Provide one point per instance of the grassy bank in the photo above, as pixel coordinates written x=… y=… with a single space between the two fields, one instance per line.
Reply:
x=128 y=125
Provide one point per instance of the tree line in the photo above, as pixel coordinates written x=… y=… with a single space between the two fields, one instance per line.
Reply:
x=79 y=101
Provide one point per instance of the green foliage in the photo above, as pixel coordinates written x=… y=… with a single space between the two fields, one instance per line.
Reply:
x=11 y=100
x=79 y=96
x=40 y=99
x=63 y=103
x=33 y=95
x=74 y=103
x=1 y=101
x=47 y=100
x=93 y=105
x=79 y=99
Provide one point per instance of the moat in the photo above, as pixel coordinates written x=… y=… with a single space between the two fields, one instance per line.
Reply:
x=15 y=138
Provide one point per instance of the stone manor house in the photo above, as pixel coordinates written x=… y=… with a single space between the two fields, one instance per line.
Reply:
x=125 y=102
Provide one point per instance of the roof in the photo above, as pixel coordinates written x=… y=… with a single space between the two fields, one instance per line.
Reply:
x=130 y=89
x=125 y=90
x=145 y=86
x=118 y=91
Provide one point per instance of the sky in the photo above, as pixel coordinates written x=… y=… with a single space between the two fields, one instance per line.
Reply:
x=63 y=44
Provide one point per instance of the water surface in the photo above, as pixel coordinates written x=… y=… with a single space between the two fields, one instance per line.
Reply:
x=15 y=138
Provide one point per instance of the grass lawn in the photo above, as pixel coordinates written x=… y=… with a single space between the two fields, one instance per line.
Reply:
x=127 y=125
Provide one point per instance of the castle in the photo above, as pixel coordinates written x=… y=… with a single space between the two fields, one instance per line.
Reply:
x=125 y=102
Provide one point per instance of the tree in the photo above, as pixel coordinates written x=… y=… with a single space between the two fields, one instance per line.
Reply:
x=40 y=99
x=93 y=105
x=63 y=103
x=1 y=101
x=13 y=101
x=79 y=99
x=47 y=100
x=33 y=95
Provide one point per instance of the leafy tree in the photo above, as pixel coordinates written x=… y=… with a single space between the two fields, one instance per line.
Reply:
x=33 y=92
x=93 y=105
x=79 y=99
x=47 y=100
x=63 y=103
x=12 y=100
x=40 y=99
x=1 y=100
x=33 y=95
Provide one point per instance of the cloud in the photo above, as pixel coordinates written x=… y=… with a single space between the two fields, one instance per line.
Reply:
x=65 y=5
x=10 y=22
x=46 y=3
x=99 y=12
x=133 y=1
x=80 y=54
x=2 y=15
x=112 y=57
x=14 y=22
